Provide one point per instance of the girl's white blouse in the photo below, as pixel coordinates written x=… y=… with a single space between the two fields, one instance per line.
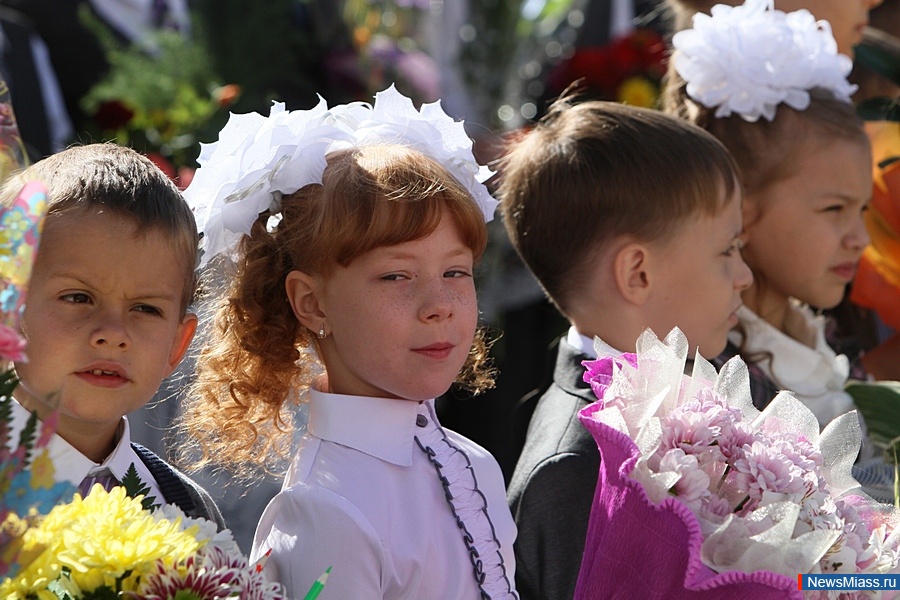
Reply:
x=365 y=497
x=803 y=362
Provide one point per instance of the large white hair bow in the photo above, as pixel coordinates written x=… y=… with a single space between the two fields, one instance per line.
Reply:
x=748 y=59
x=258 y=159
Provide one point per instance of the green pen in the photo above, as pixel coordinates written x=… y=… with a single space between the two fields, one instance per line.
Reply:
x=318 y=586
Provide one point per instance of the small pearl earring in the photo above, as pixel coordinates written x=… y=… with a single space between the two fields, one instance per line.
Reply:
x=322 y=333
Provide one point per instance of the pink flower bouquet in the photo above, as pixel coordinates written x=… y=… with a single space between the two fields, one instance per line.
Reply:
x=700 y=495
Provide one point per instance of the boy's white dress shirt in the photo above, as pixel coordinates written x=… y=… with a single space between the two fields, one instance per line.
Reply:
x=121 y=458
x=73 y=466
x=589 y=347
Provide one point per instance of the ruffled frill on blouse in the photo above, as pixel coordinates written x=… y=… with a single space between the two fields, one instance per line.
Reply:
x=469 y=507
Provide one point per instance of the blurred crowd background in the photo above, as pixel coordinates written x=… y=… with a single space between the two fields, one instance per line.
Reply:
x=162 y=76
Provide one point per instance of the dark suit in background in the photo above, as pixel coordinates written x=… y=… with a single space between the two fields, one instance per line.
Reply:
x=77 y=61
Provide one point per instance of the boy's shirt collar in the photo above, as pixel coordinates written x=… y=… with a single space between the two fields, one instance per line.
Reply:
x=72 y=466
x=585 y=345
x=69 y=464
x=122 y=457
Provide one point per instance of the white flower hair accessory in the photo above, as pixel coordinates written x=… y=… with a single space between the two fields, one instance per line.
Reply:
x=257 y=160
x=748 y=59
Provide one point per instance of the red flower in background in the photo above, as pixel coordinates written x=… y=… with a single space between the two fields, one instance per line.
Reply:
x=181 y=176
x=112 y=115
x=610 y=72
x=594 y=65
x=227 y=95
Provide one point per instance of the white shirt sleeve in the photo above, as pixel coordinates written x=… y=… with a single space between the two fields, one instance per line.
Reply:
x=309 y=529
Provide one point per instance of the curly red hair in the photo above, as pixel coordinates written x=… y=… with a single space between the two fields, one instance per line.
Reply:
x=260 y=360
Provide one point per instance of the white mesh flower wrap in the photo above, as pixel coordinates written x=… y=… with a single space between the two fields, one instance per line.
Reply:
x=257 y=159
x=749 y=59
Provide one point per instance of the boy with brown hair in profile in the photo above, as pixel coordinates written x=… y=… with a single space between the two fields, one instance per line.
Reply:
x=629 y=219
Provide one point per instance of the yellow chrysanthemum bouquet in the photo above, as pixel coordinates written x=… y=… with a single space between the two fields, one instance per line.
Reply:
x=108 y=545
x=106 y=540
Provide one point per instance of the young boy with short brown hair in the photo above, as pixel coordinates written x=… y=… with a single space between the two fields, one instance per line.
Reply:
x=106 y=317
x=629 y=219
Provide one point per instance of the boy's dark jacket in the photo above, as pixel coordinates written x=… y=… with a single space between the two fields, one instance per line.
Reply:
x=180 y=490
x=553 y=485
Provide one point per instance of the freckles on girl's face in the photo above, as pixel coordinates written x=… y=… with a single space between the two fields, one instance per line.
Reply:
x=401 y=318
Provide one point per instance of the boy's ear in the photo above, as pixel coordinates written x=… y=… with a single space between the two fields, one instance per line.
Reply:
x=304 y=292
x=183 y=336
x=631 y=268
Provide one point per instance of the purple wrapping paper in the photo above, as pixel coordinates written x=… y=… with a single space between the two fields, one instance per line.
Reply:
x=635 y=549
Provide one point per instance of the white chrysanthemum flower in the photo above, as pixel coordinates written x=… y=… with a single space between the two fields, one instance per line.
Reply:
x=207 y=531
